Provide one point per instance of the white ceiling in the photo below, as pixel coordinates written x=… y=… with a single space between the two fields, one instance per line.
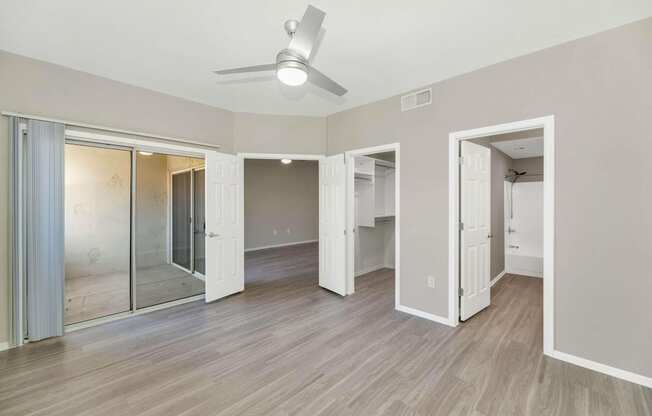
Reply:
x=521 y=148
x=375 y=48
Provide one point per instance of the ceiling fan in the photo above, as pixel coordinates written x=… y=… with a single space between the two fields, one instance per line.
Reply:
x=293 y=63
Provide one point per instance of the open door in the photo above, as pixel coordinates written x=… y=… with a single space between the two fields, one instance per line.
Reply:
x=224 y=232
x=332 y=224
x=475 y=234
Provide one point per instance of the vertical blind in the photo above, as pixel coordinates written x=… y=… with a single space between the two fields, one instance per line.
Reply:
x=38 y=233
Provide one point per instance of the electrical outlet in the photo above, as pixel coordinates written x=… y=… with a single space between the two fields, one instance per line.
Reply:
x=431 y=281
x=274 y=231
x=289 y=231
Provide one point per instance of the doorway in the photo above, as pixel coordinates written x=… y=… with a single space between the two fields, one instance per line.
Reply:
x=373 y=215
x=281 y=214
x=471 y=236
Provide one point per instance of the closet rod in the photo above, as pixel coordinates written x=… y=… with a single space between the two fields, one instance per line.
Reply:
x=110 y=129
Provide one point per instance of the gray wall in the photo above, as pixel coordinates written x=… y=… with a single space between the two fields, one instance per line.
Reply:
x=600 y=91
x=281 y=198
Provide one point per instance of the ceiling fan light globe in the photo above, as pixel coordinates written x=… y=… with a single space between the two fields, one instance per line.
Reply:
x=292 y=74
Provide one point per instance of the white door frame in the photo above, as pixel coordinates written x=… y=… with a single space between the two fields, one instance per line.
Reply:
x=268 y=156
x=548 y=125
x=350 y=216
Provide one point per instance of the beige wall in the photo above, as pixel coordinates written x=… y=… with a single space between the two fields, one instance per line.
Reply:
x=280 y=197
x=600 y=91
x=262 y=133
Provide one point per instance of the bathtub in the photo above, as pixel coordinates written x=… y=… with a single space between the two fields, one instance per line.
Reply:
x=524 y=231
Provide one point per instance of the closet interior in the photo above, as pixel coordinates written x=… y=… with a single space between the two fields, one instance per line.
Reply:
x=374 y=212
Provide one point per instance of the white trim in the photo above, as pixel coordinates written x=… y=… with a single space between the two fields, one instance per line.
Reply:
x=110 y=129
x=130 y=314
x=4 y=346
x=350 y=218
x=424 y=315
x=497 y=278
x=548 y=125
x=603 y=368
x=294 y=243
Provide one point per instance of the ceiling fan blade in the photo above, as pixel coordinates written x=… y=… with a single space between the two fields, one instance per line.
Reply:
x=324 y=82
x=306 y=35
x=255 y=68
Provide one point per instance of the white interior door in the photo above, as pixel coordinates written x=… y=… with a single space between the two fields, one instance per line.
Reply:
x=332 y=224
x=224 y=231
x=475 y=203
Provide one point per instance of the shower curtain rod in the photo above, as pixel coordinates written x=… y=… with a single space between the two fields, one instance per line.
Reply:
x=526 y=174
x=110 y=129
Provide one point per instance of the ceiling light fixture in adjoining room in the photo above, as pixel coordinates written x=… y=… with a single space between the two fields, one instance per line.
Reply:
x=145 y=153
x=286 y=161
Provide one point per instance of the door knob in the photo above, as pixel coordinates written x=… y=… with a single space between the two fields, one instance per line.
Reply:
x=211 y=235
x=490 y=236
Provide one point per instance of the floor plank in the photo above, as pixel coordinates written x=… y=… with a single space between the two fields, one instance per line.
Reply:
x=287 y=347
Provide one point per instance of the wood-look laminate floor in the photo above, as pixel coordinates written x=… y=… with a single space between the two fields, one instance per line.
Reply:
x=287 y=347
x=91 y=297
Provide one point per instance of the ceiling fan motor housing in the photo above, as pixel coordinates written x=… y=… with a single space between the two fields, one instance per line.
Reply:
x=290 y=59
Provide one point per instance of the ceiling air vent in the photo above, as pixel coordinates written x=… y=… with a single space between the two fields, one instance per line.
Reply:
x=416 y=99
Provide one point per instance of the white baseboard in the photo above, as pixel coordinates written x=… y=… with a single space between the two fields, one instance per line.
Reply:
x=424 y=315
x=295 y=243
x=4 y=346
x=603 y=368
x=497 y=278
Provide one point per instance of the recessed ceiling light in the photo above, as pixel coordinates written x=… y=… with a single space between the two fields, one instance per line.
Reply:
x=286 y=161
x=145 y=153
